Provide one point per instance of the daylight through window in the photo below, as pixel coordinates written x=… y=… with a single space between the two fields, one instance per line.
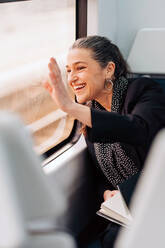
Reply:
x=31 y=32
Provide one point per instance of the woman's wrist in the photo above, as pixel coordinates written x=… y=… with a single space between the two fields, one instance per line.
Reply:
x=70 y=108
x=79 y=112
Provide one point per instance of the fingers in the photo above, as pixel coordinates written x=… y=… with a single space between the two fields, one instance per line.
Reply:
x=54 y=64
x=54 y=73
x=53 y=78
x=53 y=67
x=48 y=87
x=109 y=193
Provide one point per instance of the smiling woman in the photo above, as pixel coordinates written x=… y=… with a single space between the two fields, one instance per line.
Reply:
x=86 y=76
x=118 y=116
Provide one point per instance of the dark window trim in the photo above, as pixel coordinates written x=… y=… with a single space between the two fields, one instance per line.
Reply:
x=72 y=139
x=81 y=18
x=150 y=75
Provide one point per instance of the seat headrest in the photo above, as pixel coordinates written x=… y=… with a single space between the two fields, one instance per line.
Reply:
x=147 y=54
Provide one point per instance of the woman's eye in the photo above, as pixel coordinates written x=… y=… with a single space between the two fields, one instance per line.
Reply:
x=81 y=67
x=68 y=71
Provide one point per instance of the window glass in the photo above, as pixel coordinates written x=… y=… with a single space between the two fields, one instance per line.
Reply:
x=31 y=32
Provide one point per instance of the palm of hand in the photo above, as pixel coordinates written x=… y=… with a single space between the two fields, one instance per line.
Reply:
x=56 y=87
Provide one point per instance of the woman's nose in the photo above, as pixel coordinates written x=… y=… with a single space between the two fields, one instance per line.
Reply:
x=72 y=78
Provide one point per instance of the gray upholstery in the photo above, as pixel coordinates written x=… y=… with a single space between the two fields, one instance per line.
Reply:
x=147 y=52
x=29 y=207
x=148 y=203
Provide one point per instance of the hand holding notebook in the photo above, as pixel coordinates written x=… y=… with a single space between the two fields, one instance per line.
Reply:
x=115 y=209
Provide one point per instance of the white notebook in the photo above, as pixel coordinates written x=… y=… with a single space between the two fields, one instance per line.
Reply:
x=116 y=210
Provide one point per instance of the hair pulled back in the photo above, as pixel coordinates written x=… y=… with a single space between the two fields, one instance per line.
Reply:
x=104 y=51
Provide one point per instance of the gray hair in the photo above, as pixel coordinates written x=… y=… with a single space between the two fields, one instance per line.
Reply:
x=104 y=51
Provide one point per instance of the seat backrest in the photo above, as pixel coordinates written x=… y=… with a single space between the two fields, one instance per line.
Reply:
x=35 y=195
x=148 y=203
x=11 y=218
x=147 y=53
x=29 y=207
x=146 y=58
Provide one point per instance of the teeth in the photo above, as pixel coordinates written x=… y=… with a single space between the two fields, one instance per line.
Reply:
x=78 y=86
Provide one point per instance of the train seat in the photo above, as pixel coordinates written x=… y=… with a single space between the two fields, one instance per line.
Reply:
x=148 y=203
x=146 y=57
x=29 y=205
x=146 y=54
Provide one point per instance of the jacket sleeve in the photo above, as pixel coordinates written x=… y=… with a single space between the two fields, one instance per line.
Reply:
x=143 y=115
x=127 y=188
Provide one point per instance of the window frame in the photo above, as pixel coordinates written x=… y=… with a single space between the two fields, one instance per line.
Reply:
x=81 y=18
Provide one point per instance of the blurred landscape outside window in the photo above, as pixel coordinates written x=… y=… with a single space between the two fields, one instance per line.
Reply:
x=30 y=33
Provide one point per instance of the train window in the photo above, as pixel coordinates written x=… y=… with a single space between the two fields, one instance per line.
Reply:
x=31 y=32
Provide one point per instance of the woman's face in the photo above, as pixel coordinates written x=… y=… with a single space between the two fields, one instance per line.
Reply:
x=85 y=75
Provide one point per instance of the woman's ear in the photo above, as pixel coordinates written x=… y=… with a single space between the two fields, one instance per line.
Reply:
x=110 y=70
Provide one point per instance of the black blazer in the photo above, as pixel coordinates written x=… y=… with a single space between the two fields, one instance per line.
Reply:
x=142 y=116
x=127 y=188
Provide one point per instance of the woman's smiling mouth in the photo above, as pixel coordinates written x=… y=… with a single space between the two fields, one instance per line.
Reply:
x=79 y=87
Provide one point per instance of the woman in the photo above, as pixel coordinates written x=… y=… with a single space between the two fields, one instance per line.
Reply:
x=120 y=117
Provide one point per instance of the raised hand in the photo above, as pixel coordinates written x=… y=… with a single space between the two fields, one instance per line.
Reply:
x=59 y=94
x=56 y=86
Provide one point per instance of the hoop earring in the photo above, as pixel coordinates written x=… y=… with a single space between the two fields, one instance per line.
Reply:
x=108 y=84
